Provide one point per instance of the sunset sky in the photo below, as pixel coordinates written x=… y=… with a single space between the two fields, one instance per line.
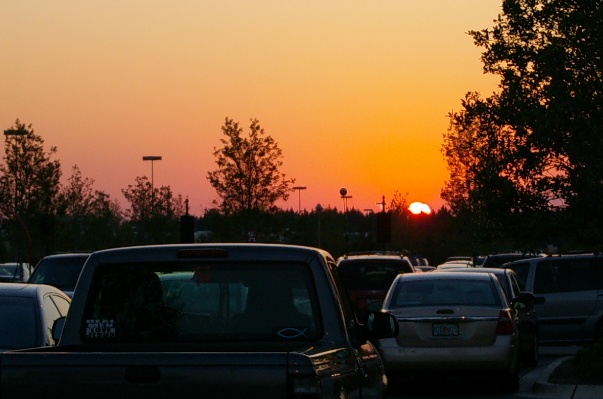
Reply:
x=356 y=93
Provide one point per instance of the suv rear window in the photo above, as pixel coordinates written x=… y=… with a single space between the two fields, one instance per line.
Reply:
x=59 y=271
x=184 y=302
x=371 y=274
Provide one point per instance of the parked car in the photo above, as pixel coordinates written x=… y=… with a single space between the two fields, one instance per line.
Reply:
x=28 y=312
x=14 y=272
x=571 y=286
x=59 y=270
x=528 y=319
x=424 y=269
x=465 y=259
x=499 y=259
x=454 y=264
x=368 y=276
x=212 y=320
x=452 y=323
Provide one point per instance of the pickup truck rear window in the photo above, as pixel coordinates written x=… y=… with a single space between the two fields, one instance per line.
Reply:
x=185 y=302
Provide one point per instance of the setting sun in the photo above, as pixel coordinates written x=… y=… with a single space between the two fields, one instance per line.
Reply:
x=419 y=207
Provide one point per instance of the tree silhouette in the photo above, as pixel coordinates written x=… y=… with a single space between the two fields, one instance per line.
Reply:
x=248 y=178
x=536 y=145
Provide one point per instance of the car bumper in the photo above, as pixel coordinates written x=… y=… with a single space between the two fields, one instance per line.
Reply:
x=502 y=355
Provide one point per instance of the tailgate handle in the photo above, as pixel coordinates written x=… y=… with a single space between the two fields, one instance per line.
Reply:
x=142 y=374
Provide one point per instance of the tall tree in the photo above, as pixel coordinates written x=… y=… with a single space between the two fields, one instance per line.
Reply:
x=147 y=202
x=89 y=219
x=248 y=177
x=29 y=177
x=29 y=184
x=154 y=212
x=537 y=144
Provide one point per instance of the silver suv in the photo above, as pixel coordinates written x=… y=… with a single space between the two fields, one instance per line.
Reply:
x=572 y=286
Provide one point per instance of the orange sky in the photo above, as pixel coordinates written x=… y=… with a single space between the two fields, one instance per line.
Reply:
x=356 y=93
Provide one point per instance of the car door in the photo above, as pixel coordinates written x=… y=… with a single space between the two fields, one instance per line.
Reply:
x=569 y=289
x=368 y=379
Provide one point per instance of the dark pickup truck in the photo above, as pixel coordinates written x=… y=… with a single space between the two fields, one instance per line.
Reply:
x=206 y=320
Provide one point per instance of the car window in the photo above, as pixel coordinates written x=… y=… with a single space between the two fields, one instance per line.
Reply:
x=61 y=303
x=22 y=329
x=516 y=284
x=564 y=275
x=51 y=313
x=346 y=304
x=61 y=272
x=192 y=302
x=373 y=275
x=444 y=292
x=522 y=270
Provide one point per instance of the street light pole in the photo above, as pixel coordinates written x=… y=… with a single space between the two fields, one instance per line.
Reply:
x=152 y=158
x=299 y=188
x=344 y=196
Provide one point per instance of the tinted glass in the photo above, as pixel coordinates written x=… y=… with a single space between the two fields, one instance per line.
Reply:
x=370 y=275
x=444 y=292
x=59 y=272
x=521 y=269
x=564 y=276
x=186 y=302
x=21 y=331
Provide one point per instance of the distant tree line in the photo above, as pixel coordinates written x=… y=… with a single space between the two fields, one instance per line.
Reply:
x=40 y=215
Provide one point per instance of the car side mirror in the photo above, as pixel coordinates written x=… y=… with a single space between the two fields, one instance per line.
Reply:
x=524 y=301
x=374 y=306
x=57 y=328
x=382 y=325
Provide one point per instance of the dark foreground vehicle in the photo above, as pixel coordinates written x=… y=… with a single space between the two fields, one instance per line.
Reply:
x=224 y=321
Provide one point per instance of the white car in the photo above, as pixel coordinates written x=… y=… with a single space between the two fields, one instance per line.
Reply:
x=452 y=323
x=14 y=272
x=28 y=312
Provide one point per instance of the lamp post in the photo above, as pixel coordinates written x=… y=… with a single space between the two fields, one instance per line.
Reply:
x=16 y=133
x=344 y=196
x=299 y=188
x=152 y=158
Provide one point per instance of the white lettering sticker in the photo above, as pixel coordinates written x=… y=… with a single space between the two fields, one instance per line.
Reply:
x=100 y=329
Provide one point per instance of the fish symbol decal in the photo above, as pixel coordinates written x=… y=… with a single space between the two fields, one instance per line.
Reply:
x=292 y=333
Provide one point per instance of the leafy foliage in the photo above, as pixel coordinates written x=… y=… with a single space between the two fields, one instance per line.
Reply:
x=30 y=177
x=248 y=177
x=535 y=146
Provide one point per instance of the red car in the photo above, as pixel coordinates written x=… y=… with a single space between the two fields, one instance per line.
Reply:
x=368 y=276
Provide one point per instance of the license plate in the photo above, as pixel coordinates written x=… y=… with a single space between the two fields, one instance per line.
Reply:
x=445 y=330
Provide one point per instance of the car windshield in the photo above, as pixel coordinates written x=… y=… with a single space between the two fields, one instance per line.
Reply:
x=61 y=272
x=9 y=272
x=444 y=292
x=184 y=302
x=20 y=332
x=369 y=275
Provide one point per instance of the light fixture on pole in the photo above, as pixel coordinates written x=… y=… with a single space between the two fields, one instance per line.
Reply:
x=344 y=191
x=299 y=188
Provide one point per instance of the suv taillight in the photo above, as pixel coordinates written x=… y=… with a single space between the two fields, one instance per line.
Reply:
x=505 y=323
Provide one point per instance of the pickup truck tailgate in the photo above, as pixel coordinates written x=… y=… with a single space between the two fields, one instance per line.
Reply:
x=145 y=375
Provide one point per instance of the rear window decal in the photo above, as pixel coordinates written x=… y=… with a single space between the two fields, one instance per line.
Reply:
x=100 y=329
